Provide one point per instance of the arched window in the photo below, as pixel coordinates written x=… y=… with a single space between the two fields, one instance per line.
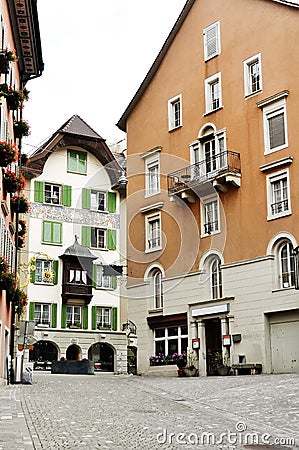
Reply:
x=216 y=278
x=158 y=289
x=286 y=265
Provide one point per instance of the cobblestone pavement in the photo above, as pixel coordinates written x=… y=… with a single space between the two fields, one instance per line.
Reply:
x=114 y=412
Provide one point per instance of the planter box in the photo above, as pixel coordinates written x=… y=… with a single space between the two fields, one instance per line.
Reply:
x=73 y=367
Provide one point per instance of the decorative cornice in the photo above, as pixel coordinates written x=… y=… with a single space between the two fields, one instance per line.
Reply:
x=158 y=205
x=275 y=164
x=272 y=98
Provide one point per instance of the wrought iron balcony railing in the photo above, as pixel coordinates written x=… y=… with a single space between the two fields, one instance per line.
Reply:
x=224 y=163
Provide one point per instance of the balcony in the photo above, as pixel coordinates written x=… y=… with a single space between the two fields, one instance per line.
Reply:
x=219 y=170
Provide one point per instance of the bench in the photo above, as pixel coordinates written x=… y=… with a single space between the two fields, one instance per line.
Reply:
x=247 y=368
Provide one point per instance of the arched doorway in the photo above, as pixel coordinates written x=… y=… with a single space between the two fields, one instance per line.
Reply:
x=44 y=351
x=103 y=356
x=132 y=360
x=73 y=353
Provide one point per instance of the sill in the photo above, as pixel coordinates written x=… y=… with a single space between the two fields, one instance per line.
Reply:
x=279 y=216
x=52 y=243
x=101 y=248
x=155 y=311
x=174 y=129
x=152 y=250
x=105 y=211
x=43 y=283
x=148 y=194
x=252 y=94
x=281 y=289
x=53 y=204
x=203 y=235
x=213 y=111
x=77 y=173
x=269 y=151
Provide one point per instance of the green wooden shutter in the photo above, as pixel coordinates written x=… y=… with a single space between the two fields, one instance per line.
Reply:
x=39 y=191
x=111 y=235
x=31 y=310
x=113 y=282
x=94 y=275
x=54 y=315
x=85 y=198
x=114 y=319
x=32 y=274
x=85 y=236
x=47 y=231
x=94 y=317
x=63 y=316
x=111 y=202
x=67 y=195
x=55 y=270
x=56 y=232
x=85 y=317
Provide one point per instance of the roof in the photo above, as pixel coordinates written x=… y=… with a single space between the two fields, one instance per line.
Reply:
x=121 y=124
x=75 y=132
x=78 y=251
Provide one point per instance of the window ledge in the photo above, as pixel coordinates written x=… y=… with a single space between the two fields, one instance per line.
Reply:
x=279 y=216
x=290 y=288
x=213 y=111
x=175 y=128
x=149 y=250
x=252 y=94
x=155 y=311
x=204 y=235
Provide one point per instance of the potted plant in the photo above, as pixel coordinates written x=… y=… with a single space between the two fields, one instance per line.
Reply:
x=221 y=363
x=15 y=97
x=12 y=182
x=7 y=278
x=190 y=369
x=180 y=359
x=20 y=299
x=21 y=128
x=20 y=203
x=8 y=154
x=11 y=56
x=22 y=229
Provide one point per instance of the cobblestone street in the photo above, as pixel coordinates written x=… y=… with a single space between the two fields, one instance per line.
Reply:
x=126 y=412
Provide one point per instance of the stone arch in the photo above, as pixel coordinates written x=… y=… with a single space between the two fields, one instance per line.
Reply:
x=44 y=351
x=103 y=355
x=73 y=352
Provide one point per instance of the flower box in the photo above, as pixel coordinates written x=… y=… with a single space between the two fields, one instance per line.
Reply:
x=73 y=367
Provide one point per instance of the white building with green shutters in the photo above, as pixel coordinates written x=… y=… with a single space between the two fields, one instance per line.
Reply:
x=76 y=187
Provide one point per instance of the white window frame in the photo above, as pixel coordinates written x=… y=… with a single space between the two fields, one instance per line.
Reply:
x=102 y=312
x=104 y=247
x=286 y=279
x=248 y=63
x=214 y=227
x=96 y=193
x=270 y=111
x=216 y=288
x=152 y=175
x=209 y=83
x=158 y=289
x=102 y=281
x=148 y=233
x=167 y=338
x=270 y=179
x=55 y=197
x=216 y=27
x=44 y=316
x=41 y=265
x=71 y=312
x=174 y=117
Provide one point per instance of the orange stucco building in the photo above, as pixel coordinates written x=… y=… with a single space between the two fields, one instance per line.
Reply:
x=213 y=192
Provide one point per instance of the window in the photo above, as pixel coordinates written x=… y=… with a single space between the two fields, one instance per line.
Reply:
x=213 y=93
x=158 y=289
x=152 y=173
x=216 y=278
x=253 y=75
x=102 y=281
x=153 y=232
x=286 y=265
x=103 y=318
x=175 y=112
x=278 y=193
x=44 y=271
x=78 y=276
x=171 y=340
x=275 y=126
x=98 y=238
x=76 y=161
x=211 y=36
x=98 y=201
x=210 y=215
x=42 y=314
x=52 y=194
x=52 y=232
x=73 y=316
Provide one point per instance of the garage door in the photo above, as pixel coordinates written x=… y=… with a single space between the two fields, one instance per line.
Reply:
x=284 y=334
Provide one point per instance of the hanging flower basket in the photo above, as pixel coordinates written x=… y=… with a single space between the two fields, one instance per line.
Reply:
x=11 y=56
x=8 y=154
x=21 y=128
x=20 y=299
x=12 y=182
x=22 y=228
x=21 y=241
x=7 y=278
x=20 y=204
x=15 y=97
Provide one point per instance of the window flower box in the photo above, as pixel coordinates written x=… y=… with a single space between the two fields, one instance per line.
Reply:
x=8 y=154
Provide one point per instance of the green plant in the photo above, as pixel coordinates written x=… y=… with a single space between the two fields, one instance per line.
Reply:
x=21 y=128
x=11 y=55
x=20 y=203
x=12 y=182
x=180 y=359
x=8 y=154
x=22 y=228
x=220 y=360
x=191 y=359
x=20 y=300
x=7 y=278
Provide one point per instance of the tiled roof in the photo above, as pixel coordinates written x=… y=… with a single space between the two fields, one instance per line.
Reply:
x=76 y=125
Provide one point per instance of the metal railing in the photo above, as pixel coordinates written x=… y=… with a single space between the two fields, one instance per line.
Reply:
x=203 y=171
